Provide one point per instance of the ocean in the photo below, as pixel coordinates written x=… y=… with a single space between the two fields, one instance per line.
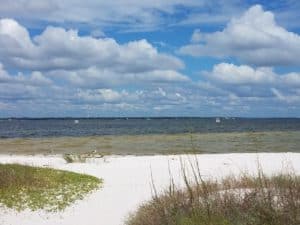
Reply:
x=82 y=127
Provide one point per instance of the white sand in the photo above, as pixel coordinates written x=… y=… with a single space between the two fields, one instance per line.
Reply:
x=127 y=183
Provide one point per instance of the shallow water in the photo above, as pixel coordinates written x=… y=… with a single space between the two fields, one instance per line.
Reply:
x=278 y=141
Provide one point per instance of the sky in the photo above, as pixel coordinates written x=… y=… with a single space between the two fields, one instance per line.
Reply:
x=97 y=58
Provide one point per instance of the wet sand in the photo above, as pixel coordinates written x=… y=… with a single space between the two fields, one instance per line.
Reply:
x=286 y=141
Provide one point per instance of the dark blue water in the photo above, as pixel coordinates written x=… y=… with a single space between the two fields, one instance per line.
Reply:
x=11 y=128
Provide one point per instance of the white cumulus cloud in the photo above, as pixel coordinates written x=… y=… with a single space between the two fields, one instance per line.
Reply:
x=254 y=38
x=57 y=48
x=246 y=81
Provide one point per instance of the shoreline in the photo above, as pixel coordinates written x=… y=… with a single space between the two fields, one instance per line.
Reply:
x=127 y=182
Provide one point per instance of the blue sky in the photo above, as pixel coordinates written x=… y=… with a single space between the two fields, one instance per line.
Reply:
x=150 y=58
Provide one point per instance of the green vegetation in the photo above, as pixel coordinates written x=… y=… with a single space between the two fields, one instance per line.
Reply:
x=71 y=158
x=246 y=200
x=36 y=188
x=81 y=157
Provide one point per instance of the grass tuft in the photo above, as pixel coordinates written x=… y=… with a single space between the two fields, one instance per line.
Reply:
x=23 y=187
x=81 y=157
x=244 y=200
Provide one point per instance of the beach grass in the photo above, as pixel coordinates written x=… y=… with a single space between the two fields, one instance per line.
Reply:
x=243 y=200
x=25 y=187
x=81 y=157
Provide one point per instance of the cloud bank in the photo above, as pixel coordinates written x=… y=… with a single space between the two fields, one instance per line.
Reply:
x=62 y=72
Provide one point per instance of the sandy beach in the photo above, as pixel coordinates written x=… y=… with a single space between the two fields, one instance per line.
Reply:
x=149 y=112
x=127 y=182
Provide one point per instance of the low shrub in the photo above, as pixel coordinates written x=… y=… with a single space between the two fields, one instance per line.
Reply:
x=36 y=188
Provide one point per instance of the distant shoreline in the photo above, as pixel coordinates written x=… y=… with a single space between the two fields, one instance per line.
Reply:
x=143 y=117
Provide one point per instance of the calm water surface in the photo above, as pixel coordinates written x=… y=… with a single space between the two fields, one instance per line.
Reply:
x=12 y=128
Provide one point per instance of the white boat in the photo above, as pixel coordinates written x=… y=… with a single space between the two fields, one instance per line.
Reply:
x=76 y=121
x=218 y=120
